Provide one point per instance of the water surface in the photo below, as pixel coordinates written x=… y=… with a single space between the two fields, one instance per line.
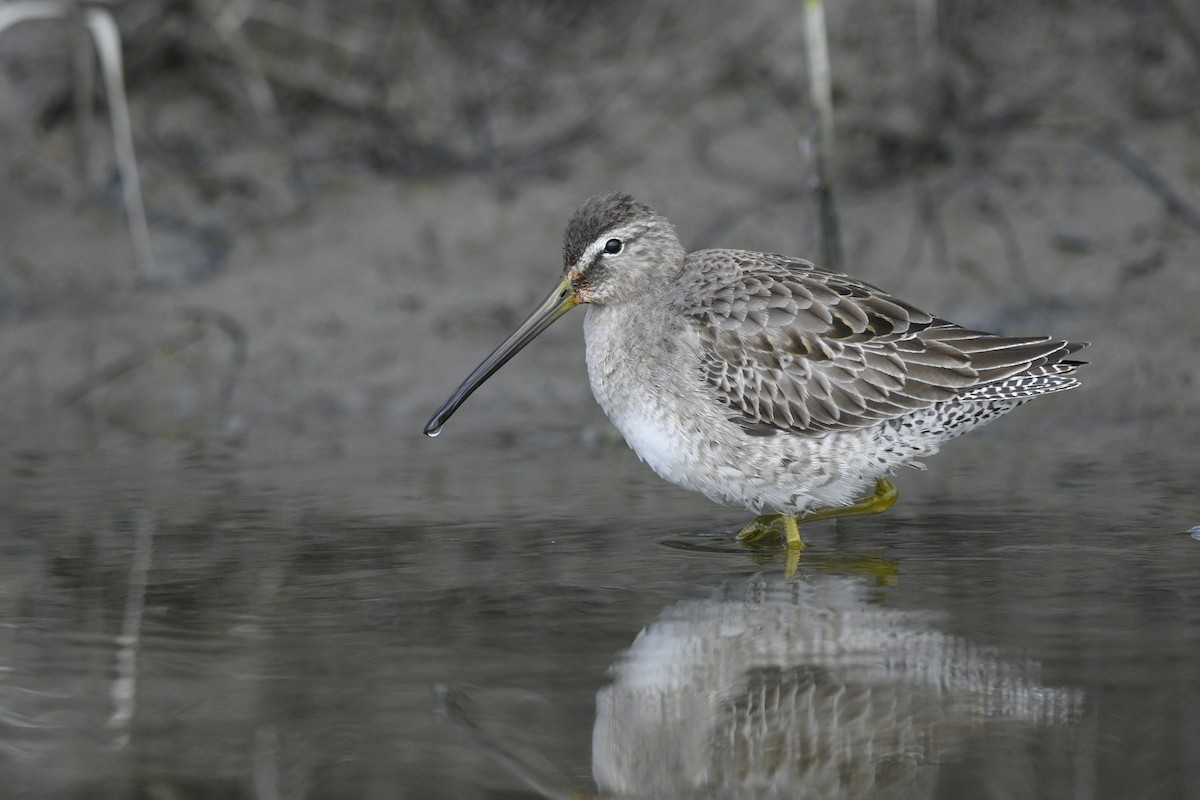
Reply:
x=271 y=622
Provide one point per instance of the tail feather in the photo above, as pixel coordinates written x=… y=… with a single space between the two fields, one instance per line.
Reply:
x=1045 y=375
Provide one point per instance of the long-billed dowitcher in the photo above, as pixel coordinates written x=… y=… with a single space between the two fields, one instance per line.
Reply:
x=767 y=381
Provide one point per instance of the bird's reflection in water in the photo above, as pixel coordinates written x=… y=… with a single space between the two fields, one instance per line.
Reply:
x=799 y=688
x=803 y=689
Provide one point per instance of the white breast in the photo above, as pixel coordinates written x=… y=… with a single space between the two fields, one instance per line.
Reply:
x=631 y=383
x=655 y=443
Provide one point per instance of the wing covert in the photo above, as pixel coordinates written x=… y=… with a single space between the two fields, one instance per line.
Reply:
x=788 y=346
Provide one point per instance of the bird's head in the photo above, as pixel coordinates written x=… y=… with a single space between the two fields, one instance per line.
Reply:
x=615 y=249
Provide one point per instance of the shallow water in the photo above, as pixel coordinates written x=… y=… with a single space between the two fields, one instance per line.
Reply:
x=271 y=621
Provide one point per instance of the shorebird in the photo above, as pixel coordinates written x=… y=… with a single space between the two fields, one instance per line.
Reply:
x=766 y=381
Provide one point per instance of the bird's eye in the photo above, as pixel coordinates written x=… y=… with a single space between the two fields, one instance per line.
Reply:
x=613 y=246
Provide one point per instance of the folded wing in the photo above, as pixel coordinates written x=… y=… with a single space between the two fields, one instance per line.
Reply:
x=788 y=346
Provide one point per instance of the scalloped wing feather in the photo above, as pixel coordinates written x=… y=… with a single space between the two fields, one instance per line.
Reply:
x=788 y=346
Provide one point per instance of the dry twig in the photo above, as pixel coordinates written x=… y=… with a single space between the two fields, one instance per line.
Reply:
x=99 y=23
x=816 y=49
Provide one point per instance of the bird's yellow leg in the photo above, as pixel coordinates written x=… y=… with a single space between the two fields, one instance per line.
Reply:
x=773 y=527
x=883 y=499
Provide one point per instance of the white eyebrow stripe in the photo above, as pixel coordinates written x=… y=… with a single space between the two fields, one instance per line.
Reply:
x=595 y=247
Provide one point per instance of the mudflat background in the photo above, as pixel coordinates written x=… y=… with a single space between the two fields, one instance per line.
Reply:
x=1034 y=169
x=350 y=204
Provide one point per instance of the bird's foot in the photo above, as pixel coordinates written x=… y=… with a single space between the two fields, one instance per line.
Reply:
x=771 y=528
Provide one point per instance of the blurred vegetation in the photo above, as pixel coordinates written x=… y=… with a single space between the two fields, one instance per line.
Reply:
x=433 y=86
x=242 y=109
x=426 y=87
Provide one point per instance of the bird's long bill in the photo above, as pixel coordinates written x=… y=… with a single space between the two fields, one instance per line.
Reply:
x=559 y=302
